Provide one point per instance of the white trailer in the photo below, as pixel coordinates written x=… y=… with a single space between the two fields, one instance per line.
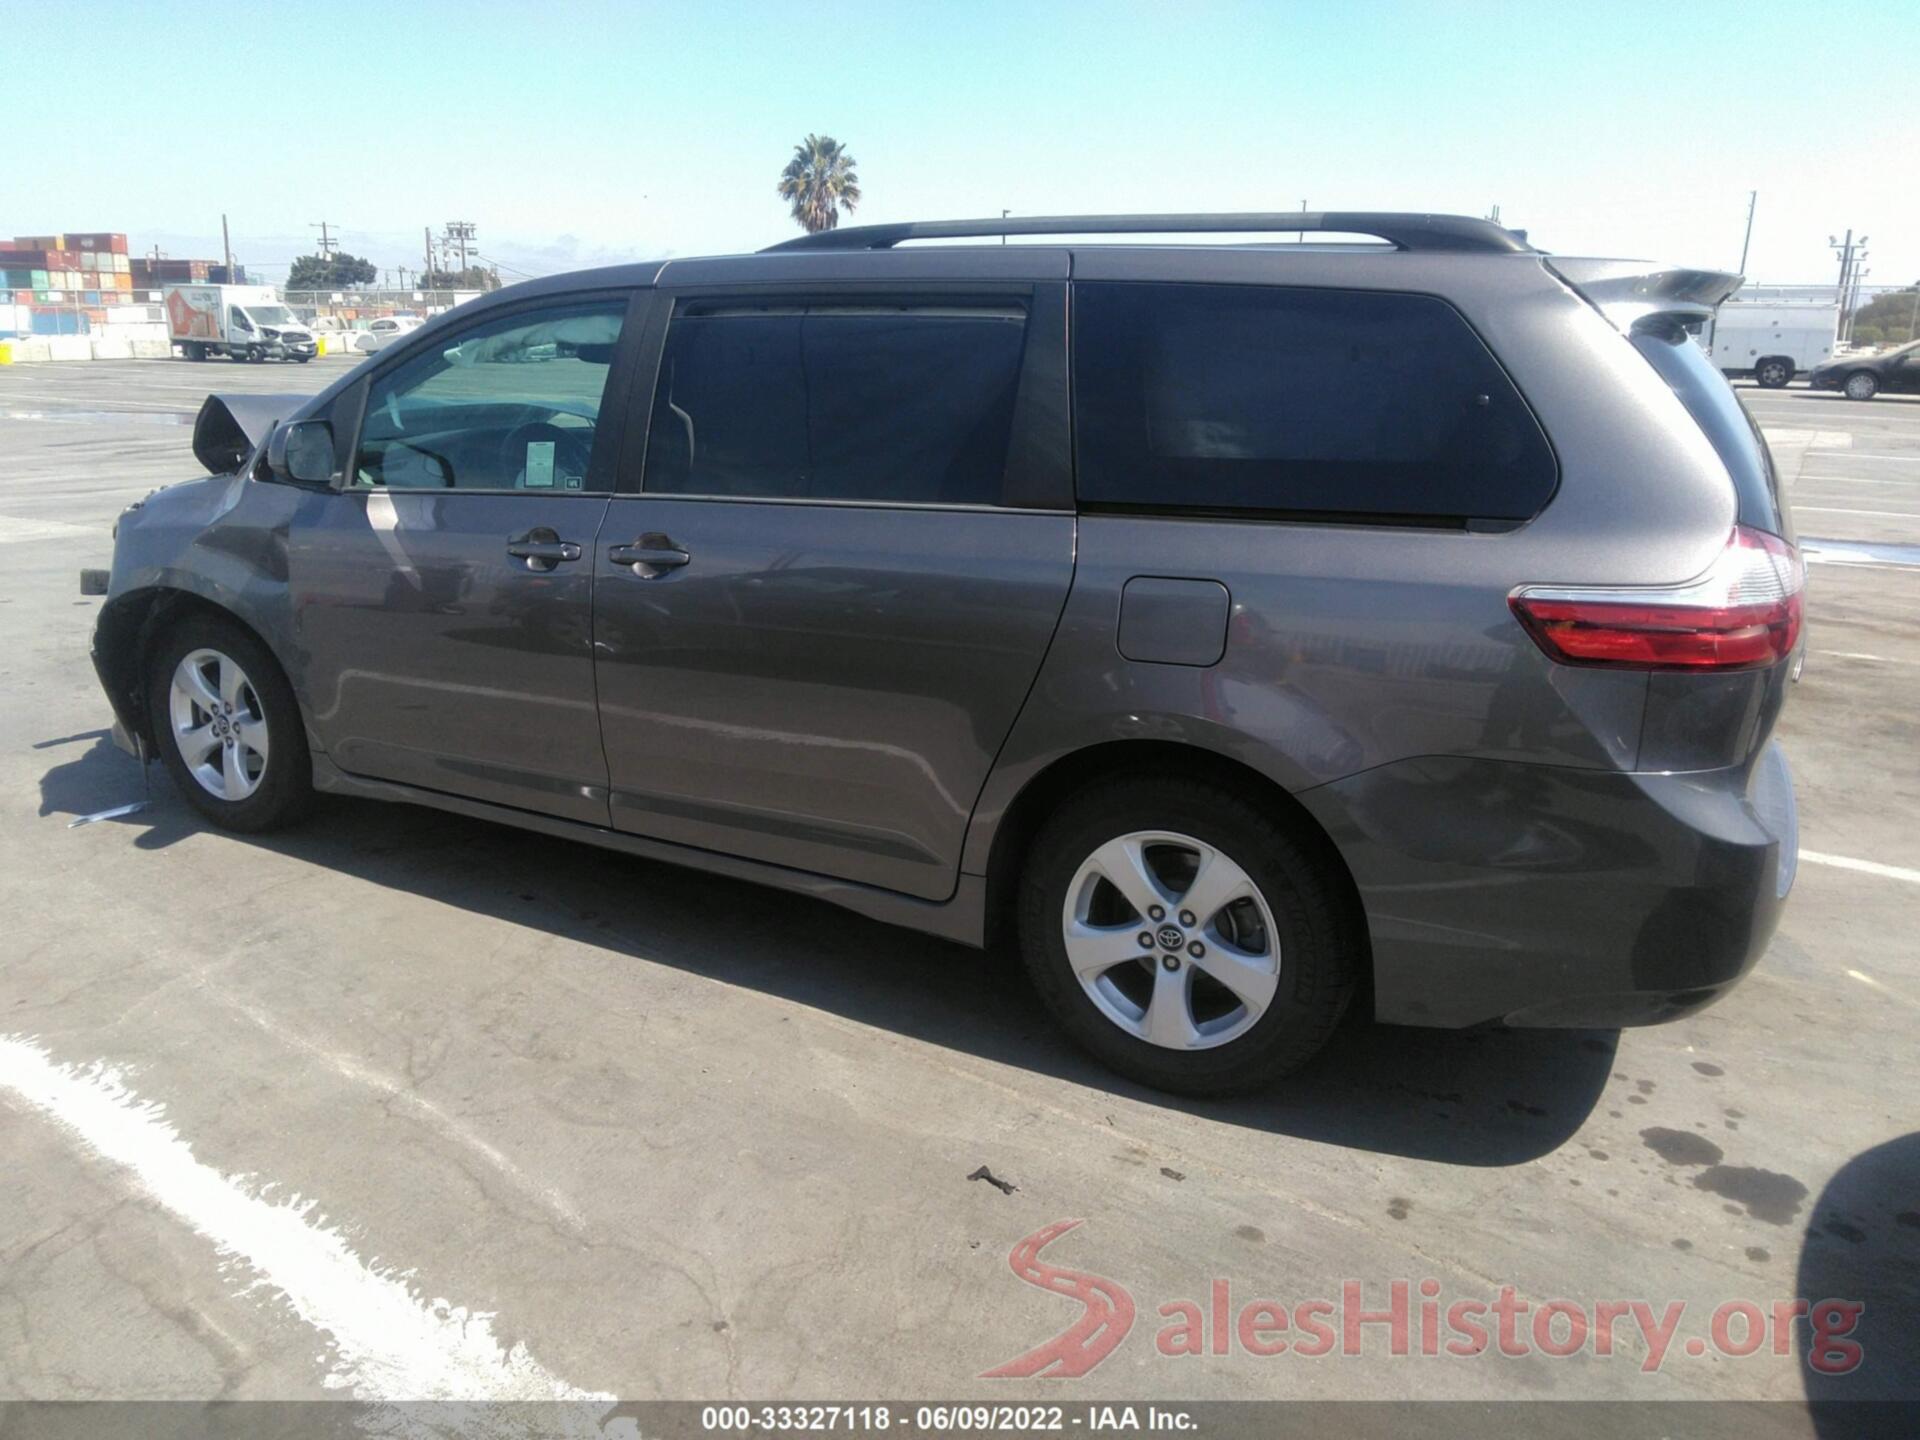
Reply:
x=1771 y=340
x=245 y=322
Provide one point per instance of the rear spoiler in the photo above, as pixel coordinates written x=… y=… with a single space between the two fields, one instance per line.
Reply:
x=1630 y=291
x=230 y=428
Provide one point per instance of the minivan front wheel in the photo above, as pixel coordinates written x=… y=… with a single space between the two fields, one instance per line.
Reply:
x=227 y=726
x=1184 y=937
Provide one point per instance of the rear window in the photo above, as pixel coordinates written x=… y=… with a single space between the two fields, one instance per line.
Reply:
x=1334 y=404
x=1719 y=414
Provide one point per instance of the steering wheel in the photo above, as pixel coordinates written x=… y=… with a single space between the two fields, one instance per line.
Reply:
x=572 y=449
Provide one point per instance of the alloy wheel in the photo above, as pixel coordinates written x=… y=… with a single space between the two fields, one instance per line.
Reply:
x=1861 y=386
x=219 y=724
x=1172 y=940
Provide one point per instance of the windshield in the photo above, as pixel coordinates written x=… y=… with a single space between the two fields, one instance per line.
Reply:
x=270 y=314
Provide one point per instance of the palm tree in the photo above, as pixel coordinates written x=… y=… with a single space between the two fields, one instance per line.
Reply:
x=819 y=183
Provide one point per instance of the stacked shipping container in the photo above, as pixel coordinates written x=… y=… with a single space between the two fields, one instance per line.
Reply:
x=74 y=284
x=64 y=284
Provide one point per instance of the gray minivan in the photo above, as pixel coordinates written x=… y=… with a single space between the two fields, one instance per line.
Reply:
x=1243 y=629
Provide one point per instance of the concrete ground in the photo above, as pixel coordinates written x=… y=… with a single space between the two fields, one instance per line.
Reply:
x=401 y=1104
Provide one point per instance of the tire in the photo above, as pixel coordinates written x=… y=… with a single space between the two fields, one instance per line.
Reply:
x=257 y=774
x=303 y=359
x=1773 y=373
x=1290 y=944
x=196 y=352
x=1861 y=385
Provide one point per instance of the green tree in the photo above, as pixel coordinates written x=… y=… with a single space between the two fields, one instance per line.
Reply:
x=474 y=277
x=819 y=182
x=1887 y=319
x=330 y=272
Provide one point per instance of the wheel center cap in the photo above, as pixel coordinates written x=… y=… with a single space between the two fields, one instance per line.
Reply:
x=1171 y=937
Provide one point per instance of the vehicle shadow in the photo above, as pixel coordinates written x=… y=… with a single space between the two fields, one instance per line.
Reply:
x=1475 y=1098
x=1862 y=1247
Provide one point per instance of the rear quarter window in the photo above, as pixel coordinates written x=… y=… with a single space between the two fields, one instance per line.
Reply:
x=1718 y=412
x=1297 y=403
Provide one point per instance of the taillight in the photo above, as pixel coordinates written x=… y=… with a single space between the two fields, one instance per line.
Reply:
x=1743 y=614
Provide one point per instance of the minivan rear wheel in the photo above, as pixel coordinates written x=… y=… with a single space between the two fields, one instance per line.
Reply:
x=227 y=726
x=1184 y=937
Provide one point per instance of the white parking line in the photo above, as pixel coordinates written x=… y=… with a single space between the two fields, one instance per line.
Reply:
x=1843 y=510
x=389 y=1343
x=1863 y=655
x=1874 y=984
x=1865 y=867
x=14 y=530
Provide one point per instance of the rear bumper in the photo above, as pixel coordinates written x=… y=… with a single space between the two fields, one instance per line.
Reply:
x=1550 y=896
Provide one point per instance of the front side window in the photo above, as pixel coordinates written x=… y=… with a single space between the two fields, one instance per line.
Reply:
x=237 y=318
x=907 y=404
x=1233 y=399
x=513 y=404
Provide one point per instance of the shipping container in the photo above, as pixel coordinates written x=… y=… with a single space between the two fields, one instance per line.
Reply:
x=57 y=321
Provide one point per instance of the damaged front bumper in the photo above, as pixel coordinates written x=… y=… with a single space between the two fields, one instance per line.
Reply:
x=96 y=583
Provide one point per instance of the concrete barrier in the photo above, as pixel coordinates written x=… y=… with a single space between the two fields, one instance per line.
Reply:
x=69 y=347
x=111 y=349
x=152 y=349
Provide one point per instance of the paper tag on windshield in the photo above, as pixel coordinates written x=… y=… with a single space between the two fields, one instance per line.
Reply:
x=539 y=465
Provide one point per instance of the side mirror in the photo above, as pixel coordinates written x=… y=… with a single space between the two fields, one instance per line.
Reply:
x=302 y=452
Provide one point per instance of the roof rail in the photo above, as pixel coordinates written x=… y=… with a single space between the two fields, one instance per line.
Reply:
x=1424 y=233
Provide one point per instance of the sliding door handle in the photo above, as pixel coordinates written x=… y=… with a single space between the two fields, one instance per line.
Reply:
x=650 y=555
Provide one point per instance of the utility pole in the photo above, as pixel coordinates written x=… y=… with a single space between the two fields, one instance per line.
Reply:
x=1753 y=199
x=226 y=245
x=426 y=276
x=327 y=245
x=1850 y=252
x=1003 y=234
x=1913 y=315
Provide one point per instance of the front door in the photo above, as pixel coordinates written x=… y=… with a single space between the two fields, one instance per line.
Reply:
x=444 y=597
x=816 y=623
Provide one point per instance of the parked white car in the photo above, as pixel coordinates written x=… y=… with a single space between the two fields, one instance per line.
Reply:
x=385 y=331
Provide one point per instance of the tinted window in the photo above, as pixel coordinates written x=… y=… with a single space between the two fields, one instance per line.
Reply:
x=1319 y=402
x=512 y=404
x=1719 y=413
x=885 y=404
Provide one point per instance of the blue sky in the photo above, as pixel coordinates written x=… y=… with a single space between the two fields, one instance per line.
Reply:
x=573 y=133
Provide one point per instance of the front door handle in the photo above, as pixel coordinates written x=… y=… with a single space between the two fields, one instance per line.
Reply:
x=651 y=555
x=542 y=549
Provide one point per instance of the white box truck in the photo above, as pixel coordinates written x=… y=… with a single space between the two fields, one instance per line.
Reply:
x=243 y=322
x=1771 y=340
